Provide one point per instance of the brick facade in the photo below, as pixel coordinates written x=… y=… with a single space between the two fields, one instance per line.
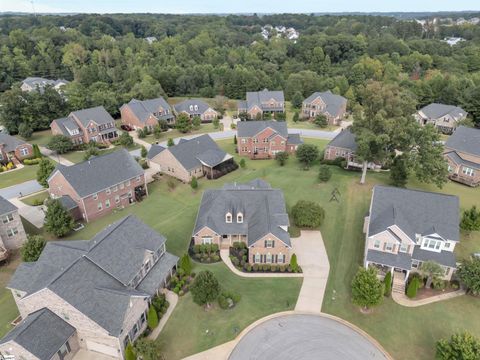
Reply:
x=130 y=119
x=12 y=233
x=264 y=145
x=310 y=110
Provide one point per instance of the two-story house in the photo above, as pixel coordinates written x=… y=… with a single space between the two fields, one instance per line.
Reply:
x=462 y=152
x=405 y=228
x=265 y=139
x=99 y=185
x=197 y=157
x=139 y=114
x=12 y=233
x=252 y=213
x=83 y=126
x=88 y=294
x=443 y=117
x=196 y=107
x=13 y=149
x=39 y=84
x=261 y=102
x=333 y=106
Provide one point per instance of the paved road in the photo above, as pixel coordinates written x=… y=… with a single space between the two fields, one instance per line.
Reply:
x=304 y=337
x=27 y=187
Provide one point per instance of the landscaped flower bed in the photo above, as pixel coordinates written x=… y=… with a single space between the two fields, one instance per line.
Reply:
x=180 y=282
x=207 y=253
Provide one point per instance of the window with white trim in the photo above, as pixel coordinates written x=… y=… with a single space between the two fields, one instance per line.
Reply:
x=257 y=258
x=228 y=218
x=239 y=218
x=127 y=183
x=280 y=258
x=108 y=191
x=389 y=246
x=107 y=203
x=7 y=218
x=468 y=171
x=115 y=188
x=24 y=151
x=269 y=244
x=268 y=258
x=95 y=196
x=206 y=240
x=117 y=199
x=12 y=232
x=244 y=141
x=376 y=244
x=403 y=247
x=99 y=206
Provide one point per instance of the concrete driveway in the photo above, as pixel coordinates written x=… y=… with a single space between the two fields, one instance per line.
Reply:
x=25 y=188
x=305 y=337
x=35 y=215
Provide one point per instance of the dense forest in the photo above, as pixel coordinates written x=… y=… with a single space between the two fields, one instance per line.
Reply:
x=109 y=60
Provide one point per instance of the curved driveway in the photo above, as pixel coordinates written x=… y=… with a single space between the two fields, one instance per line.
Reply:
x=304 y=337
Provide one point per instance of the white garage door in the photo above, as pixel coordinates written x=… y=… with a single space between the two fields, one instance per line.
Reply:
x=104 y=349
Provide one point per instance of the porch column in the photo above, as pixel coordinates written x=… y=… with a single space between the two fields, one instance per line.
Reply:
x=406 y=276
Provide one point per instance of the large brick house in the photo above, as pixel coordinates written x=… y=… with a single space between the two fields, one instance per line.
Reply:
x=196 y=107
x=264 y=139
x=13 y=149
x=139 y=114
x=83 y=126
x=197 y=157
x=443 y=117
x=405 y=228
x=88 y=294
x=262 y=102
x=39 y=84
x=344 y=146
x=333 y=106
x=12 y=233
x=99 y=185
x=462 y=152
x=252 y=213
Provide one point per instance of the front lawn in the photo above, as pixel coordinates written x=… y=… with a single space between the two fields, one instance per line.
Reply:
x=9 y=178
x=41 y=138
x=174 y=133
x=8 y=309
x=78 y=156
x=303 y=124
x=35 y=199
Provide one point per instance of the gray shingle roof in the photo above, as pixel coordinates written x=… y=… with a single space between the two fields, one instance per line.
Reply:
x=158 y=274
x=446 y=258
x=460 y=161
x=334 y=103
x=93 y=275
x=41 y=83
x=466 y=140
x=96 y=114
x=414 y=212
x=154 y=151
x=263 y=210
x=67 y=202
x=435 y=111
x=294 y=139
x=256 y=98
x=146 y=108
x=67 y=123
x=252 y=128
x=100 y=172
x=42 y=333
x=184 y=106
x=9 y=142
x=400 y=260
x=6 y=206
x=345 y=139
x=189 y=152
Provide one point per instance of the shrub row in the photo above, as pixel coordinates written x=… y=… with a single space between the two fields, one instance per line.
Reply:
x=33 y=161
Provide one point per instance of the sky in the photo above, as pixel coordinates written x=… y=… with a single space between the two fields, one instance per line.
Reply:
x=242 y=6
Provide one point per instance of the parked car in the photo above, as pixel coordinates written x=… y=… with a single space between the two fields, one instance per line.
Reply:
x=126 y=128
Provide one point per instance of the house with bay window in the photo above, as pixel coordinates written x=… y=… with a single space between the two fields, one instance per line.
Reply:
x=405 y=228
x=88 y=294
x=252 y=213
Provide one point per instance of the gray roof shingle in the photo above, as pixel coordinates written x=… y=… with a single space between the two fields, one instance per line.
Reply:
x=252 y=128
x=6 y=206
x=334 y=103
x=9 y=142
x=400 y=260
x=446 y=258
x=257 y=98
x=154 y=150
x=42 y=333
x=184 y=106
x=67 y=202
x=146 y=108
x=96 y=114
x=453 y=155
x=294 y=139
x=100 y=172
x=466 y=140
x=345 y=139
x=435 y=111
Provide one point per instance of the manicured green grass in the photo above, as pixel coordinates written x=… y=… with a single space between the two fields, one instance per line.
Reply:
x=303 y=124
x=78 y=156
x=192 y=329
x=29 y=172
x=33 y=200
x=8 y=309
x=40 y=138
x=174 y=133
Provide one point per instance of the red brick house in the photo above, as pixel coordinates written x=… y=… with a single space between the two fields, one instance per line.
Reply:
x=13 y=149
x=333 y=106
x=139 y=114
x=264 y=139
x=83 y=126
x=262 y=102
x=99 y=185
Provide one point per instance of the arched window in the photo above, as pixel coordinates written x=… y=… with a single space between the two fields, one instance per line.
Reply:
x=228 y=218
x=239 y=218
x=257 y=258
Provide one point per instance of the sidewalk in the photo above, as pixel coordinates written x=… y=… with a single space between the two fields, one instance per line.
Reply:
x=35 y=215
x=403 y=300
x=139 y=141
x=172 y=298
x=55 y=157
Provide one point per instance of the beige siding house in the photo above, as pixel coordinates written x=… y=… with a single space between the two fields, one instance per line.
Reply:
x=443 y=117
x=12 y=233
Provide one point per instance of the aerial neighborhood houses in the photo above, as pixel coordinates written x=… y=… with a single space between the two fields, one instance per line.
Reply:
x=14 y=149
x=197 y=157
x=96 y=187
x=83 y=126
x=39 y=84
x=333 y=106
x=196 y=107
x=265 y=139
x=88 y=294
x=252 y=213
x=262 y=102
x=140 y=114
x=12 y=233
x=405 y=228
x=443 y=117
x=462 y=152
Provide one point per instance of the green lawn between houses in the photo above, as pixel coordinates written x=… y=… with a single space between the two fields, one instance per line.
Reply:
x=406 y=333
x=13 y=177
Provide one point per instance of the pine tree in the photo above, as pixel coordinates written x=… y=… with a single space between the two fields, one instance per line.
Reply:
x=129 y=354
x=412 y=288
x=58 y=220
x=143 y=152
x=293 y=263
x=186 y=264
x=235 y=139
x=152 y=318
x=170 y=142
x=45 y=168
x=388 y=283
x=205 y=288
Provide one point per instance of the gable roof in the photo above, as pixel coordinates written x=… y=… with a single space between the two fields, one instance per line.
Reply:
x=146 y=108
x=41 y=333
x=6 y=206
x=202 y=149
x=184 y=106
x=33 y=82
x=435 y=111
x=154 y=150
x=263 y=208
x=10 y=142
x=294 y=139
x=67 y=123
x=252 y=128
x=345 y=139
x=334 y=103
x=257 y=98
x=94 y=275
x=414 y=212
x=96 y=114
x=100 y=172
x=466 y=140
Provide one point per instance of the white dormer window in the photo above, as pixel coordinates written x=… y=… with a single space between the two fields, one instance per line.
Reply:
x=191 y=107
x=240 y=218
x=196 y=107
x=228 y=218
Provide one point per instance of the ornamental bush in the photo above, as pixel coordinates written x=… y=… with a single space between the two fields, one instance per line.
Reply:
x=307 y=214
x=293 y=263
x=152 y=318
x=325 y=173
x=412 y=288
x=388 y=283
x=205 y=288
